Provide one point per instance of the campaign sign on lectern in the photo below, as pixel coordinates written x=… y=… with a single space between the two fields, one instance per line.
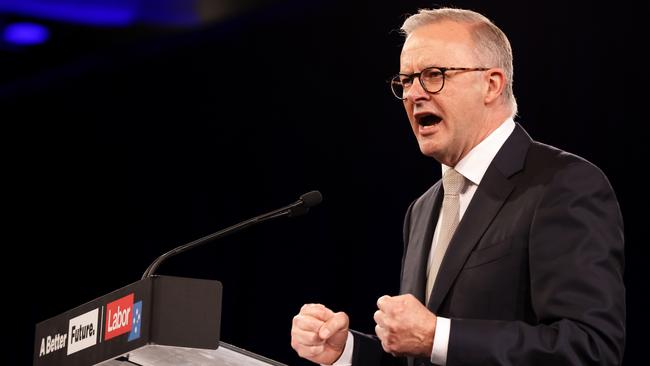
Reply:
x=159 y=320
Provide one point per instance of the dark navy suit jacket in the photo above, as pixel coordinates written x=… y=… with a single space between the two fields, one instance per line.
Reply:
x=534 y=272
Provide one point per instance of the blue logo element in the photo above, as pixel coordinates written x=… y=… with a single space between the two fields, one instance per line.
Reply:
x=136 y=321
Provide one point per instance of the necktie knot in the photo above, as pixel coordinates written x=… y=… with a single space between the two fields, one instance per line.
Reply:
x=452 y=182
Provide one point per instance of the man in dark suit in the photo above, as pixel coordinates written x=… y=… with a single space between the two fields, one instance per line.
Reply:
x=516 y=256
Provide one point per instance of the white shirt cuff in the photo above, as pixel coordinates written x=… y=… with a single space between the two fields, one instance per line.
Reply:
x=441 y=341
x=346 y=356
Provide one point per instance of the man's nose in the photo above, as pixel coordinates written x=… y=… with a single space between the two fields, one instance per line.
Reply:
x=416 y=92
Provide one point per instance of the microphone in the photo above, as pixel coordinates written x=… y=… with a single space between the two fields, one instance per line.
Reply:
x=300 y=207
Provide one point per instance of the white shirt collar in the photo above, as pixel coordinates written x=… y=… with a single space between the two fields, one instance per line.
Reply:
x=476 y=162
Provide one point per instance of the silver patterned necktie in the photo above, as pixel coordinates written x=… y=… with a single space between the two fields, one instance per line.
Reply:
x=452 y=183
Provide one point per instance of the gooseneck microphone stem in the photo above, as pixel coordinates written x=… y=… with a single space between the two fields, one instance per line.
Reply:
x=297 y=208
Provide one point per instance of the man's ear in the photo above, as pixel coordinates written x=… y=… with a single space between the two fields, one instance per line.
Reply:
x=496 y=83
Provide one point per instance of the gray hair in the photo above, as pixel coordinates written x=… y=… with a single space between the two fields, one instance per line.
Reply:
x=492 y=45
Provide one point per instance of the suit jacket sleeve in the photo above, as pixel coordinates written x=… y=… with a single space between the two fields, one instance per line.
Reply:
x=576 y=287
x=367 y=348
x=368 y=352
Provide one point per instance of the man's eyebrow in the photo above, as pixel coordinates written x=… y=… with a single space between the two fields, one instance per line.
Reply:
x=426 y=67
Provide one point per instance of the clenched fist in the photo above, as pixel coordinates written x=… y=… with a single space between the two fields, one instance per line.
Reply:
x=405 y=326
x=318 y=334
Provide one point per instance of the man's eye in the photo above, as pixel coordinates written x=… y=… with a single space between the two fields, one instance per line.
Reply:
x=433 y=74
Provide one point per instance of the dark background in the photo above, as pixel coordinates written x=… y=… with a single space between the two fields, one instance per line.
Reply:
x=120 y=144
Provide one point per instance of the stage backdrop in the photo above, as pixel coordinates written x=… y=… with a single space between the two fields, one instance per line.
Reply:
x=125 y=141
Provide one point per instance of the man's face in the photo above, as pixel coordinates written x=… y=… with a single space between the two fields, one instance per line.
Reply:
x=447 y=124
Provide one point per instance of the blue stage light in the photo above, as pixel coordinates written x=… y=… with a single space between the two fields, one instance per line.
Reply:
x=102 y=13
x=25 y=34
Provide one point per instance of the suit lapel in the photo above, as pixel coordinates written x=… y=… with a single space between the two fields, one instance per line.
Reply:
x=489 y=197
x=485 y=204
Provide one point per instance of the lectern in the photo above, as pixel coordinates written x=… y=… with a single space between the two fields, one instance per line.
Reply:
x=159 y=320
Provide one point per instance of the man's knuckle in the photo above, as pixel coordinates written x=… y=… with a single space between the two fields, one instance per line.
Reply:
x=304 y=351
x=377 y=316
x=342 y=318
x=320 y=313
x=295 y=344
x=296 y=319
x=311 y=308
x=308 y=352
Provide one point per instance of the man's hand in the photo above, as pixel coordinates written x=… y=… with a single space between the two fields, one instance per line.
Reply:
x=318 y=334
x=405 y=326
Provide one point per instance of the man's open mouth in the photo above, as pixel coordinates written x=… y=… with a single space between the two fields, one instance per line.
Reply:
x=429 y=120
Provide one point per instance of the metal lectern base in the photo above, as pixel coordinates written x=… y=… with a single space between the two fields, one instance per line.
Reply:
x=225 y=355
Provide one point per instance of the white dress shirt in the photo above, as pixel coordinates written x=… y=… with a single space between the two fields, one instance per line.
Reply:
x=472 y=167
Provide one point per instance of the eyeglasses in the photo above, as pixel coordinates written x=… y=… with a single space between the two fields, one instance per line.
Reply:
x=432 y=79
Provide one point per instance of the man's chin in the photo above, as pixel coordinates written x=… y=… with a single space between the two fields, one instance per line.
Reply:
x=429 y=149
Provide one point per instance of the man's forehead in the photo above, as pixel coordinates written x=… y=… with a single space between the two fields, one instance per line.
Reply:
x=435 y=54
x=437 y=34
x=437 y=44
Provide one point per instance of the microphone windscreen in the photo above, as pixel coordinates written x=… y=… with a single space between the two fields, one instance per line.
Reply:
x=311 y=199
